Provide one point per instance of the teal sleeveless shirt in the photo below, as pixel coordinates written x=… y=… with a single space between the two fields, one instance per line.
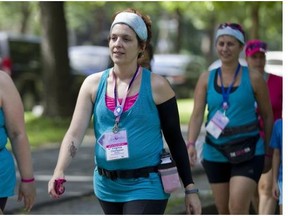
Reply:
x=7 y=168
x=241 y=111
x=145 y=145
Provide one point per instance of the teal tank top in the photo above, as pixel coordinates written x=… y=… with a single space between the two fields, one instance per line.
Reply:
x=145 y=144
x=241 y=111
x=7 y=168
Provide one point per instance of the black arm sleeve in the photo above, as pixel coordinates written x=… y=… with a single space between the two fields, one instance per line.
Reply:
x=170 y=124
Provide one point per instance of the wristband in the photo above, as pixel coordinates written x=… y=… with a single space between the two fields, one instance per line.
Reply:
x=190 y=144
x=27 y=180
x=192 y=191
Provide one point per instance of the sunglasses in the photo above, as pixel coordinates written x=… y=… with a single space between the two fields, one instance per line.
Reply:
x=233 y=26
x=258 y=45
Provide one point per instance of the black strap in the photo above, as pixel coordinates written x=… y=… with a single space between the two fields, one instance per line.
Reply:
x=239 y=140
x=127 y=174
x=228 y=131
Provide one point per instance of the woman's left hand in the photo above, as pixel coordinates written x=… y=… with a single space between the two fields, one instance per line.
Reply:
x=28 y=192
x=193 y=204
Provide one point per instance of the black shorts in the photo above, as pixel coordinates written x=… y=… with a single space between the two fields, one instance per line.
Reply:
x=3 y=201
x=135 y=207
x=221 y=172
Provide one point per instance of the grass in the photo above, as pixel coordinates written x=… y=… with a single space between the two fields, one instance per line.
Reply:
x=44 y=131
x=185 y=107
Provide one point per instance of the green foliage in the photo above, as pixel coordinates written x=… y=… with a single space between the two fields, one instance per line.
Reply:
x=271 y=27
x=43 y=131
x=19 y=17
x=185 y=107
x=79 y=13
x=199 y=16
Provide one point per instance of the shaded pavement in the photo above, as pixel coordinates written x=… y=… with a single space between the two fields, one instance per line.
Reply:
x=79 y=197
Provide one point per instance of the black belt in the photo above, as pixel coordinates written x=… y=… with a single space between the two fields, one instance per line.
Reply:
x=240 y=129
x=127 y=174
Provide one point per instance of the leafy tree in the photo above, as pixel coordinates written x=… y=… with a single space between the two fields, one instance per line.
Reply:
x=206 y=16
x=89 y=22
x=17 y=16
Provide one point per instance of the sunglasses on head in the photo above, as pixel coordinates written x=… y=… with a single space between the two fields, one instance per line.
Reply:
x=260 y=45
x=233 y=26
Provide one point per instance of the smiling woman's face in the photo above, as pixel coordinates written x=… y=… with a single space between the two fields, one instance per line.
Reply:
x=228 y=48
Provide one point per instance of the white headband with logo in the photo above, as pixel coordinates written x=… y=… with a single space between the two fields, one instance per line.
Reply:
x=133 y=21
x=232 y=32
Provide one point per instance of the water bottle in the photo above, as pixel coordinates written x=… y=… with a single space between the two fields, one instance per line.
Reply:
x=169 y=173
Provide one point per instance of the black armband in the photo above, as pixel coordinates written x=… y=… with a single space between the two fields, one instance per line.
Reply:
x=170 y=125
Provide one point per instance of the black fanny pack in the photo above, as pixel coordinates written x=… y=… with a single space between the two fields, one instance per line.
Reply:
x=239 y=150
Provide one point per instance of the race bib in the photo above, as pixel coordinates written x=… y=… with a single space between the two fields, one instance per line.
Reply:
x=217 y=124
x=115 y=145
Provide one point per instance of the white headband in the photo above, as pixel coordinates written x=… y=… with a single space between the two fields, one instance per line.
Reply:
x=133 y=21
x=232 y=32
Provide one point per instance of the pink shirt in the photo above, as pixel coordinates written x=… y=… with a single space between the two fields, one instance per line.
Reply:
x=110 y=102
x=275 y=87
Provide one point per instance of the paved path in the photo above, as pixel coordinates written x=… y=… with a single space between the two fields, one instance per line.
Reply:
x=79 y=197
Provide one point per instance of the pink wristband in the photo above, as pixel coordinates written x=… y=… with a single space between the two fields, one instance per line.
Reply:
x=190 y=144
x=27 y=180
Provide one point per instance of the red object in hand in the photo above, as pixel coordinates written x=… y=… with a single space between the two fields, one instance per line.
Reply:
x=59 y=187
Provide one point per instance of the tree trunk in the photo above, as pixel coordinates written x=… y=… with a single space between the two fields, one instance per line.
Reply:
x=254 y=33
x=25 y=11
x=179 y=35
x=57 y=78
x=211 y=31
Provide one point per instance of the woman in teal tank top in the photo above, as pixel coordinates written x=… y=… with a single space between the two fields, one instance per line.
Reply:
x=12 y=127
x=230 y=92
x=129 y=137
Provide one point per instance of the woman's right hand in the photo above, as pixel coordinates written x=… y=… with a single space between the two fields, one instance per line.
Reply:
x=51 y=186
x=275 y=190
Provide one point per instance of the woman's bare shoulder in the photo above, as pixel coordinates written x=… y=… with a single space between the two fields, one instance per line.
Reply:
x=161 y=88
x=203 y=78
x=256 y=79
x=4 y=77
x=93 y=79
x=158 y=81
x=90 y=85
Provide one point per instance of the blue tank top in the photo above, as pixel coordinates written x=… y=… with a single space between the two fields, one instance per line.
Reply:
x=145 y=145
x=241 y=111
x=7 y=168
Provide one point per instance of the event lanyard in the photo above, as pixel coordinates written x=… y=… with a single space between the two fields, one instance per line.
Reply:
x=225 y=94
x=119 y=107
